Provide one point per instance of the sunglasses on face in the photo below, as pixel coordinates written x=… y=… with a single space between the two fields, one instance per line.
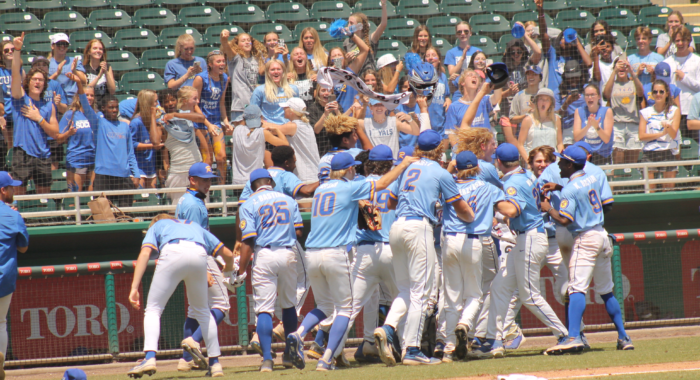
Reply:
x=660 y=92
x=62 y=44
x=516 y=52
x=463 y=32
x=8 y=50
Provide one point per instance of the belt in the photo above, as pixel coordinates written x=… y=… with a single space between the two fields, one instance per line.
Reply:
x=178 y=241
x=278 y=246
x=413 y=218
x=367 y=242
x=469 y=236
x=540 y=229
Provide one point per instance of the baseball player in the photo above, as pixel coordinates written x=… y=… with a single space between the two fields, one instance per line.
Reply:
x=343 y=137
x=333 y=228
x=581 y=212
x=522 y=269
x=191 y=207
x=411 y=239
x=183 y=247
x=270 y=223
x=13 y=238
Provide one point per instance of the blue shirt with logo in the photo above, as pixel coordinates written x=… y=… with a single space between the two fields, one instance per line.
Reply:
x=271 y=218
x=146 y=159
x=13 y=234
x=212 y=91
x=581 y=204
x=481 y=197
x=81 y=146
x=522 y=192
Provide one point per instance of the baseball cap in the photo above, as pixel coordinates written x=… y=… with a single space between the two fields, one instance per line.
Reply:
x=296 y=104
x=586 y=146
x=201 y=170
x=259 y=173
x=74 y=374
x=498 y=74
x=251 y=115
x=570 y=35
x=507 y=152
x=343 y=161
x=663 y=72
x=572 y=69
x=7 y=180
x=374 y=102
x=38 y=59
x=534 y=68
x=381 y=152
x=56 y=38
x=386 y=59
x=546 y=92
x=574 y=154
x=429 y=140
x=466 y=159
x=404 y=152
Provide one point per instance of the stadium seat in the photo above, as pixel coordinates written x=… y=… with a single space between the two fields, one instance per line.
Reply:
x=20 y=22
x=109 y=18
x=277 y=12
x=59 y=186
x=134 y=82
x=330 y=10
x=442 y=44
x=155 y=59
x=694 y=29
x=330 y=45
x=620 y=38
x=213 y=33
x=202 y=15
x=507 y=6
x=457 y=7
x=627 y=174
x=8 y=5
x=6 y=37
x=258 y=31
x=64 y=20
x=503 y=42
x=221 y=3
x=485 y=43
x=373 y=8
x=631 y=3
x=41 y=4
x=557 y=5
x=146 y=199
x=135 y=38
x=650 y=15
x=618 y=17
x=489 y=23
x=169 y=36
x=578 y=19
x=400 y=28
x=443 y=25
x=203 y=50
x=243 y=14
x=86 y=4
x=124 y=61
x=27 y=60
x=38 y=43
x=174 y=3
x=159 y=17
x=531 y=16
x=689 y=149
x=395 y=47
x=130 y=3
x=79 y=39
x=69 y=203
x=320 y=26
x=36 y=205
x=417 y=8
x=594 y=4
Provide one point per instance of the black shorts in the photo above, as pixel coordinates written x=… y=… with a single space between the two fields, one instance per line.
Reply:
x=659 y=156
x=26 y=167
x=108 y=182
x=57 y=154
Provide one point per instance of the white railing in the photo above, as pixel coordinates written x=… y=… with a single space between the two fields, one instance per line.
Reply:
x=646 y=181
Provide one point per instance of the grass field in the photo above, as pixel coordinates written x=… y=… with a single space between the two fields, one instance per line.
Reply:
x=522 y=361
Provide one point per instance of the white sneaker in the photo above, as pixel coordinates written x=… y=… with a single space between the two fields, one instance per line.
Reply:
x=195 y=350
x=185 y=366
x=146 y=367
x=216 y=370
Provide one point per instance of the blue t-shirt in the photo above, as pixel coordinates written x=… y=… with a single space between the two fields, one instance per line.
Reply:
x=211 y=94
x=436 y=109
x=190 y=207
x=648 y=96
x=69 y=86
x=456 y=52
x=272 y=112
x=481 y=197
x=127 y=107
x=652 y=58
x=81 y=146
x=599 y=146
x=381 y=201
x=13 y=234
x=6 y=88
x=27 y=134
x=345 y=94
x=581 y=204
x=567 y=121
x=114 y=150
x=489 y=174
x=146 y=159
x=285 y=182
x=458 y=108
x=553 y=174
x=271 y=218
x=55 y=87
x=167 y=230
x=406 y=139
x=556 y=69
x=176 y=68
x=522 y=192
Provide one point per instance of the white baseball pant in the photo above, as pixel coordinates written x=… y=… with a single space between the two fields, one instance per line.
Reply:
x=302 y=283
x=326 y=324
x=4 y=309
x=414 y=261
x=183 y=261
x=490 y=265
x=590 y=259
x=329 y=274
x=522 y=272
x=565 y=241
x=274 y=277
x=217 y=294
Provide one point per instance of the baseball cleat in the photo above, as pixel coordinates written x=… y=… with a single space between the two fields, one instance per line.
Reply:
x=476 y=343
x=625 y=344
x=255 y=346
x=146 y=367
x=2 y=366
x=185 y=366
x=439 y=349
x=447 y=357
x=324 y=366
x=515 y=343
x=461 y=349
x=195 y=350
x=266 y=366
x=278 y=332
x=215 y=370
x=487 y=351
x=382 y=336
x=296 y=350
x=566 y=345
x=315 y=351
x=341 y=361
x=586 y=346
x=416 y=357
x=367 y=353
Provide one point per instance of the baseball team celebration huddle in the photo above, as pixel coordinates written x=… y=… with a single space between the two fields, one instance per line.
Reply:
x=421 y=222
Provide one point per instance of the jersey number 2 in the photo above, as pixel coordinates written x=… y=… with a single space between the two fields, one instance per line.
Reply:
x=275 y=214
x=411 y=176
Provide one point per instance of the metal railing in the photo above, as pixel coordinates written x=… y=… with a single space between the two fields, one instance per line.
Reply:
x=646 y=181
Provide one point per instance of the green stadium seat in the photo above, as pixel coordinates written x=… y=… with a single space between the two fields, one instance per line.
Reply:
x=330 y=45
x=6 y=37
x=8 y=5
x=131 y=3
x=373 y=8
x=213 y=33
x=135 y=38
x=64 y=20
x=400 y=27
x=594 y=4
x=79 y=39
x=36 y=205
x=320 y=26
x=277 y=12
x=143 y=200
x=531 y=16
x=485 y=43
x=689 y=149
x=38 y=43
x=59 y=186
x=27 y=60
x=618 y=17
x=243 y=14
x=169 y=36
x=124 y=61
x=443 y=45
x=489 y=23
x=577 y=19
x=456 y=7
x=507 y=6
x=175 y=3
x=330 y=10
x=650 y=15
x=155 y=59
x=631 y=3
x=258 y=31
x=627 y=174
x=621 y=39
x=133 y=82
x=417 y=8
x=202 y=15
x=69 y=203
x=503 y=42
x=87 y=4
x=221 y=3
x=557 y=5
x=20 y=22
x=159 y=17
x=395 y=47
x=41 y=4
x=109 y=18
x=443 y=25
x=694 y=29
x=204 y=50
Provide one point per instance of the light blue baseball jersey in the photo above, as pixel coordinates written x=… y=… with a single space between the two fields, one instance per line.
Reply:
x=189 y=207
x=552 y=173
x=324 y=166
x=381 y=200
x=168 y=230
x=481 y=197
x=285 y=182
x=334 y=212
x=521 y=191
x=271 y=218
x=421 y=186
x=581 y=204
x=489 y=174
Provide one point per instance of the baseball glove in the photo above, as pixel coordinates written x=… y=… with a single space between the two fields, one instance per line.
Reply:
x=369 y=217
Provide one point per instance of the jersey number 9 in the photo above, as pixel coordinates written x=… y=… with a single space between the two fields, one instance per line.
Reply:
x=595 y=201
x=275 y=214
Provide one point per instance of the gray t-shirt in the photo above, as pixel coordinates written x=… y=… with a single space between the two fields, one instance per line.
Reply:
x=249 y=150
x=623 y=103
x=663 y=40
x=306 y=151
x=244 y=78
x=520 y=103
x=371 y=61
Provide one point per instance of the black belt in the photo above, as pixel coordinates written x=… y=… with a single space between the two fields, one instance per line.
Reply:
x=366 y=242
x=469 y=236
x=539 y=229
x=278 y=246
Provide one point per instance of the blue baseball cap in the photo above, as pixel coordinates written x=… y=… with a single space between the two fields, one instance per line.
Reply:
x=374 y=102
x=259 y=173
x=429 y=140
x=534 y=68
x=404 y=152
x=570 y=35
x=507 y=152
x=381 y=153
x=251 y=115
x=202 y=170
x=74 y=374
x=574 y=154
x=663 y=72
x=343 y=161
x=586 y=146
x=466 y=159
x=7 y=180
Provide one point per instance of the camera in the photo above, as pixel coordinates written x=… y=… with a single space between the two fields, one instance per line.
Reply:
x=574 y=92
x=280 y=43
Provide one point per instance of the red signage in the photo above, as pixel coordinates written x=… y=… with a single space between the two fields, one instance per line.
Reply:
x=690 y=259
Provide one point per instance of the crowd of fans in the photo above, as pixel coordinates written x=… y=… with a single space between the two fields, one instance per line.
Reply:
x=629 y=108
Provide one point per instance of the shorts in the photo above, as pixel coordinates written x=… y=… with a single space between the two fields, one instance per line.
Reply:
x=80 y=171
x=143 y=174
x=159 y=159
x=626 y=136
x=659 y=156
x=26 y=167
x=567 y=136
x=107 y=182
x=57 y=153
x=600 y=160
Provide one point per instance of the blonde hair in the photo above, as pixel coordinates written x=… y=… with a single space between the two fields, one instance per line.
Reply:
x=339 y=124
x=88 y=47
x=384 y=75
x=76 y=105
x=464 y=75
x=362 y=19
x=338 y=174
x=677 y=14
x=472 y=139
x=290 y=65
x=300 y=115
x=257 y=47
x=144 y=106
x=183 y=94
x=434 y=155
x=536 y=111
x=467 y=173
x=272 y=89
x=183 y=39
x=319 y=55
x=210 y=58
x=160 y=217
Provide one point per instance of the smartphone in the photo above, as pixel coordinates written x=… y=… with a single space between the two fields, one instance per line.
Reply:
x=338 y=63
x=280 y=43
x=196 y=63
x=573 y=92
x=332 y=97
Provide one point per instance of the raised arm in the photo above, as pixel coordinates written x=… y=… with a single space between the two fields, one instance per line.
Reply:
x=377 y=34
x=225 y=47
x=542 y=23
x=469 y=116
x=16 y=88
x=359 y=61
x=273 y=135
x=394 y=173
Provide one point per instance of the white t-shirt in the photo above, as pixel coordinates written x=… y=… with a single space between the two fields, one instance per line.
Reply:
x=663 y=40
x=690 y=85
x=384 y=133
x=654 y=120
x=306 y=151
x=248 y=152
